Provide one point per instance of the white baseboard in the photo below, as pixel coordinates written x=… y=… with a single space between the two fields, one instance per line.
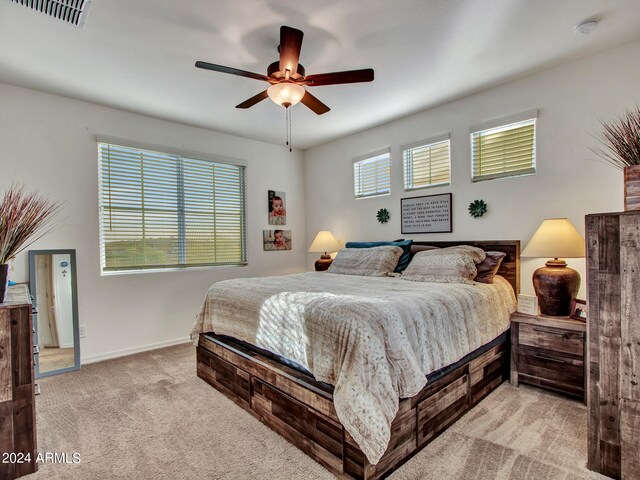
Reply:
x=130 y=351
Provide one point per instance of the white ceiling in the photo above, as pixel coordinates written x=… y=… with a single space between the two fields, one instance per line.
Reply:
x=139 y=55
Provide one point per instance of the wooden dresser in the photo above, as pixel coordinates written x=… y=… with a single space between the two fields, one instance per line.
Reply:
x=17 y=390
x=613 y=272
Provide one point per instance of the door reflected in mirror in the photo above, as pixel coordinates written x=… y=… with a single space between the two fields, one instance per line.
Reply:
x=53 y=286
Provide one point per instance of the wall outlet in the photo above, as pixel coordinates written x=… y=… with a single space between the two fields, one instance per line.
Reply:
x=83 y=331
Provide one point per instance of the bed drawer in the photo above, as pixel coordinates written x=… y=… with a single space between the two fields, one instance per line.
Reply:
x=442 y=408
x=224 y=376
x=309 y=430
x=549 y=338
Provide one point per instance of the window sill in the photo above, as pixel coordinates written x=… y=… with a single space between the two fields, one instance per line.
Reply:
x=167 y=270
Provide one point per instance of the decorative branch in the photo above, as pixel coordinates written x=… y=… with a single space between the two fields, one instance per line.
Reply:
x=621 y=144
x=24 y=219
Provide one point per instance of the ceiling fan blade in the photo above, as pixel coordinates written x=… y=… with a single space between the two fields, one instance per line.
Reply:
x=290 y=45
x=314 y=104
x=232 y=71
x=253 y=100
x=336 y=78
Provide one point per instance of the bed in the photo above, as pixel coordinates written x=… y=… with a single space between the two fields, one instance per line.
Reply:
x=388 y=410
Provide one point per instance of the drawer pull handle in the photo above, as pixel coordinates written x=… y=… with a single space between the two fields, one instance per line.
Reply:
x=550 y=359
x=564 y=335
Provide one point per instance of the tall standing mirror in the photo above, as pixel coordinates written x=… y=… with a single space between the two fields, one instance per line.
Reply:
x=53 y=284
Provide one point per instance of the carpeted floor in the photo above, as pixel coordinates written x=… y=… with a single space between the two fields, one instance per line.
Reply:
x=148 y=416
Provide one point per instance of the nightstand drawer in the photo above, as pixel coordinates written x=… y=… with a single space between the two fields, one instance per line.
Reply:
x=549 y=338
x=565 y=371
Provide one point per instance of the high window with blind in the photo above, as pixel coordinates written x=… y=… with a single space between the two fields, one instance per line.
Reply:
x=427 y=164
x=162 y=210
x=504 y=148
x=372 y=175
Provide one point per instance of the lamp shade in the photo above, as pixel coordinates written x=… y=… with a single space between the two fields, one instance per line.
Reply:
x=324 y=242
x=557 y=238
x=285 y=93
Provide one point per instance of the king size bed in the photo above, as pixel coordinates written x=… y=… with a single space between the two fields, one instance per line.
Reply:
x=359 y=372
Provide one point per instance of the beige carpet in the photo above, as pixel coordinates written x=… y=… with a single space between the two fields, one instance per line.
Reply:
x=149 y=416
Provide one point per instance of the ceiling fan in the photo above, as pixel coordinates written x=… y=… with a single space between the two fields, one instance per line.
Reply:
x=287 y=76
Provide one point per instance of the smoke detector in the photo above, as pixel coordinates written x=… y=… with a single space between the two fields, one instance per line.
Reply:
x=69 y=11
x=585 y=28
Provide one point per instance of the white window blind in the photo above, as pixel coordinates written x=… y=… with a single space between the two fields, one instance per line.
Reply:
x=160 y=210
x=427 y=164
x=504 y=151
x=372 y=175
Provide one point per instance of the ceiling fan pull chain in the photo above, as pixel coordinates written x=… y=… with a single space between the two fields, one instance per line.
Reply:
x=290 y=139
x=286 y=125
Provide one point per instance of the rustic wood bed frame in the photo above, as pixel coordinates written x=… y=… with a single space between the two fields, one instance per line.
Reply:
x=301 y=409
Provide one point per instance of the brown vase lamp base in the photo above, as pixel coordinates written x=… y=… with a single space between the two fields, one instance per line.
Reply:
x=323 y=263
x=556 y=285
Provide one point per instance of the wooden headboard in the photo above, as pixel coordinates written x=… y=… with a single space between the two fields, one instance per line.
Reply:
x=510 y=266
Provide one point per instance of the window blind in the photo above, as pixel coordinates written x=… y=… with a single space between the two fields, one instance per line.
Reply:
x=372 y=176
x=504 y=151
x=427 y=164
x=161 y=210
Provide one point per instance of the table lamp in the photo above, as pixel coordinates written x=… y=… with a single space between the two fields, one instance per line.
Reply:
x=323 y=243
x=555 y=284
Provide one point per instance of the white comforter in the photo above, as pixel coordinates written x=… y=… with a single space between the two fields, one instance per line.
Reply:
x=375 y=339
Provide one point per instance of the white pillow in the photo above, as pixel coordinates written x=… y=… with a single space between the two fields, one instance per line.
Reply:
x=455 y=267
x=477 y=254
x=368 y=262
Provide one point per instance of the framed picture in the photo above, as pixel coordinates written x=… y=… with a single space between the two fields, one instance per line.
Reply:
x=277 y=208
x=528 y=304
x=276 y=240
x=579 y=309
x=428 y=214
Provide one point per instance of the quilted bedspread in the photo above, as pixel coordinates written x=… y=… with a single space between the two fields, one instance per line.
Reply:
x=373 y=338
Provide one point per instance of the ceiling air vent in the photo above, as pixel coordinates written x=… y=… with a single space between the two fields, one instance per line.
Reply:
x=70 y=11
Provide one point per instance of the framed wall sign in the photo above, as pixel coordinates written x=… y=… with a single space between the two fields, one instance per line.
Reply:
x=429 y=214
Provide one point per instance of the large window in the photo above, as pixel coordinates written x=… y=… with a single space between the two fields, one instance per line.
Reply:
x=504 y=150
x=161 y=210
x=372 y=175
x=427 y=164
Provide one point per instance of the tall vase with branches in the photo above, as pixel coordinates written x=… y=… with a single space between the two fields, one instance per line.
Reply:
x=621 y=148
x=24 y=218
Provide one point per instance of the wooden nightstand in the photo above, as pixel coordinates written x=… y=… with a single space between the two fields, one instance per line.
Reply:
x=548 y=352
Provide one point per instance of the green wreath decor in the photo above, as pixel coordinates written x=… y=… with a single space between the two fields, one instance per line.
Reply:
x=477 y=208
x=383 y=215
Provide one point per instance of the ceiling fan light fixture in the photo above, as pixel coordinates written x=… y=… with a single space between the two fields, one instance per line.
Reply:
x=286 y=94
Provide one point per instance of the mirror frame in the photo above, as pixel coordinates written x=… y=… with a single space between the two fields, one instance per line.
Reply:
x=74 y=301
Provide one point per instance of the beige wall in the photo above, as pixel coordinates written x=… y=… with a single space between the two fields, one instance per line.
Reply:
x=48 y=142
x=570 y=182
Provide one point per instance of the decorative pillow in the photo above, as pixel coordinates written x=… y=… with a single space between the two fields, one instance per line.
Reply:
x=489 y=267
x=404 y=244
x=454 y=267
x=368 y=262
x=477 y=254
x=421 y=248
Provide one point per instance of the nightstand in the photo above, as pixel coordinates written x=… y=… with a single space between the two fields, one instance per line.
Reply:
x=549 y=352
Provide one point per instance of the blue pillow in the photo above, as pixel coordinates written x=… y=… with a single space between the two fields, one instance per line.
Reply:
x=405 y=245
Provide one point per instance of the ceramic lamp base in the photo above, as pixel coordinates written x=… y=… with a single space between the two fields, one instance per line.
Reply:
x=323 y=263
x=556 y=285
